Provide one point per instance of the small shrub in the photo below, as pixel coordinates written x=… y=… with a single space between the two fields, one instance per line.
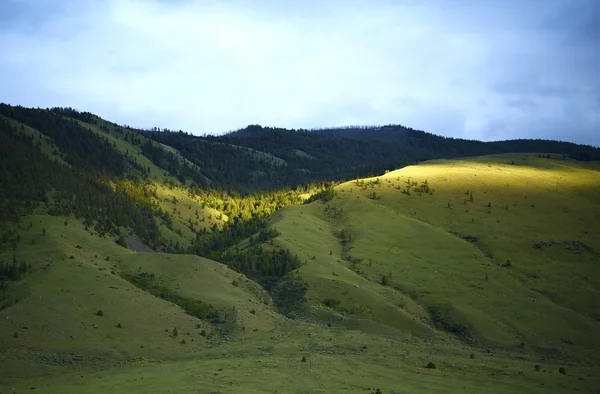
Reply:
x=119 y=325
x=331 y=302
x=562 y=370
x=235 y=283
x=385 y=281
x=537 y=368
x=15 y=335
x=430 y=365
x=253 y=312
x=203 y=333
x=471 y=356
x=303 y=359
x=175 y=332
x=100 y=312
x=182 y=342
x=71 y=257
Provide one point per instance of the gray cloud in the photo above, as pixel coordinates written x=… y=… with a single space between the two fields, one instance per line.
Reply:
x=486 y=70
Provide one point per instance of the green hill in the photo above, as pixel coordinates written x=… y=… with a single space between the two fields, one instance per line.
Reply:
x=494 y=253
x=156 y=261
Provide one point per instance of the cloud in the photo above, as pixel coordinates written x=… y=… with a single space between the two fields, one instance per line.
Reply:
x=487 y=70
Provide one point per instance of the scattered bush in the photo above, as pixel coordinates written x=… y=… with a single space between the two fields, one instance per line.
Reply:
x=562 y=370
x=471 y=356
x=119 y=325
x=100 y=312
x=175 y=332
x=331 y=302
x=15 y=335
x=121 y=241
x=182 y=342
x=537 y=368
x=303 y=359
x=430 y=365
x=203 y=333
x=253 y=312
x=385 y=281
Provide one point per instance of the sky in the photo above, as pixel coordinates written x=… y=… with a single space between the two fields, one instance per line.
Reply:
x=477 y=69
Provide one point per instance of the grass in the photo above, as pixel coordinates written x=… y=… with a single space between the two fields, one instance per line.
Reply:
x=412 y=239
x=449 y=294
x=54 y=309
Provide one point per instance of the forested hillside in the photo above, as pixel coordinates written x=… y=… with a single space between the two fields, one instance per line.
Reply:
x=261 y=158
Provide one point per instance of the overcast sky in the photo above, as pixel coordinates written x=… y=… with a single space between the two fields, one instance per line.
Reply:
x=481 y=69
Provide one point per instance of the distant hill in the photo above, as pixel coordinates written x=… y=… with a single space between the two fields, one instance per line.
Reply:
x=277 y=157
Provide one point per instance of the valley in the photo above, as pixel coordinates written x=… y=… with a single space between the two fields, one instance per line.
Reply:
x=365 y=270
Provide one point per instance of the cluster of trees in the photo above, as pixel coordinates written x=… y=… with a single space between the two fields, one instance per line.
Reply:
x=152 y=284
x=13 y=271
x=266 y=267
x=86 y=117
x=213 y=244
x=324 y=195
x=246 y=207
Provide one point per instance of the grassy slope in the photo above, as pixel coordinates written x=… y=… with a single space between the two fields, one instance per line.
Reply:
x=388 y=236
x=55 y=316
x=545 y=299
